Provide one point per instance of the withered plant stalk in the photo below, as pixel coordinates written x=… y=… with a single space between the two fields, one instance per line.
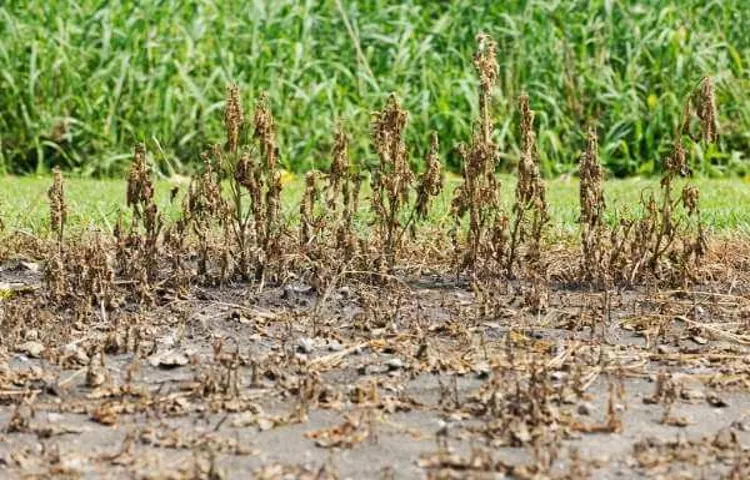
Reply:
x=55 y=275
x=530 y=198
x=256 y=227
x=479 y=195
x=239 y=166
x=342 y=197
x=308 y=221
x=203 y=209
x=58 y=209
x=138 y=249
x=430 y=183
x=592 y=206
x=392 y=178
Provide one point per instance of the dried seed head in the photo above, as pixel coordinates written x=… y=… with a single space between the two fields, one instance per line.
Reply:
x=591 y=194
x=234 y=118
x=530 y=206
x=485 y=61
x=140 y=189
x=592 y=207
x=707 y=111
x=691 y=199
x=676 y=162
x=393 y=177
x=388 y=132
x=527 y=124
x=528 y=172
x=388 y=138
x=340 y=154
x=702 y=101
x=265 y=131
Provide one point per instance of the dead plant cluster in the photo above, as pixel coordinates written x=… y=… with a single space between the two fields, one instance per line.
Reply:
x=232 y=226
x=666 y=241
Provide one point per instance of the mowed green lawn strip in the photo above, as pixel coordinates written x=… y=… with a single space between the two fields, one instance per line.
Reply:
x=99 y=203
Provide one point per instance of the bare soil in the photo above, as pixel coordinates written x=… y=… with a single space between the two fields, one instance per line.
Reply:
x=415 y=379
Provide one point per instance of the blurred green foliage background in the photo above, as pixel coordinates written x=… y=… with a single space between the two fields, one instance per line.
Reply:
x=82 y=80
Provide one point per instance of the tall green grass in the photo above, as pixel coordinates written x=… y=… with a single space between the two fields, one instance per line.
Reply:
x=82 y=80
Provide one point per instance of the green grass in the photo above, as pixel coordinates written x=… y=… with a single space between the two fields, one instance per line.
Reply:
x=81 y=81
x=98 y=203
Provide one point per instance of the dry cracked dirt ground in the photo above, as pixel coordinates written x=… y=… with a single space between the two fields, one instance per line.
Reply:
x=422 y=378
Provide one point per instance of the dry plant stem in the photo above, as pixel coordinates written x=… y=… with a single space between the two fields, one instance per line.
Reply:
x=430 y=186
x=58 y=208
x=666 y=243
x=238 y=163
x=592 y=206
x=241 y=216
x=255 y=227
x=203 y=207
x=342 y=194
x=392 y=180
x=55 y=269
x=267 y=192
x=479 y=194
x=307 y=209
x=138 y=248
x=676 y=165
x=339 y=173
x=530 y=194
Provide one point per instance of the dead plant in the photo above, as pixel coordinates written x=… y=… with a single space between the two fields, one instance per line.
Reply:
x=430 y=184
x=138 y=245
x=392 y=179
x=530 y=208
x=593 y=206
x=479 y=195
x=309 y=223
x=530 y=216
x=55 y=271
x=58 y=209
